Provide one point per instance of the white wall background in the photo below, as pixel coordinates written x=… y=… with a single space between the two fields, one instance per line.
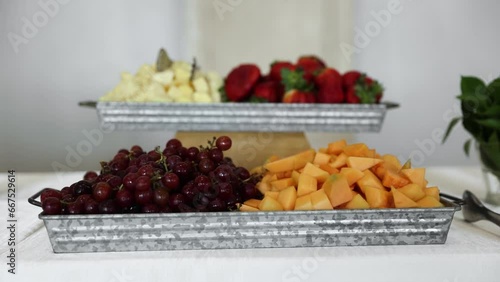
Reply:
x=80 y=52
x=420 y=57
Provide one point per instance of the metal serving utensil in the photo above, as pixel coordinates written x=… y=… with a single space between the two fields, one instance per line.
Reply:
x=473 y=210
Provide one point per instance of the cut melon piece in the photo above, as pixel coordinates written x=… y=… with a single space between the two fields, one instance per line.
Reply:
x=320 y=200
x=337 y=189
x=316 y=172
x=263 y=187
x=429 y=202
x=294 y=162
x=356 y=150
x=270 y=204
x=295 y=176
x=272 y=194
x=352 y=175
x=357 y=202
x=328 y=168
x=303 y=203
x=361 y=163
x=413 y=191
x=339 y=161
x=252 y=203
x=401 y=200
x=307 y=184
x=321 y=158
x=376 y=198
x=323 y=150
x=391 y=162
x=394 y=179
x=369 y=179
x=433 y=192
x=415 y=175
x=245 y=208
x=257 y=170
x=281 y=184
x=287 y=198
x=336 y=147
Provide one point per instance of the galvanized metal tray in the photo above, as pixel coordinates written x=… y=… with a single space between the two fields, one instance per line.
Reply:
x=238 y=230
x=269 y=117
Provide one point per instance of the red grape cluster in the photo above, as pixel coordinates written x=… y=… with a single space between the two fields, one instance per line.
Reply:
x=177 y=179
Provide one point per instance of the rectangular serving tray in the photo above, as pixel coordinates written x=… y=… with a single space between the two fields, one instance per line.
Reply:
x=268 y=117
x=238 y=230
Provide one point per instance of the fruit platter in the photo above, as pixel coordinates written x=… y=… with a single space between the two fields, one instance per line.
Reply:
x=178 y=198
x=303 y=96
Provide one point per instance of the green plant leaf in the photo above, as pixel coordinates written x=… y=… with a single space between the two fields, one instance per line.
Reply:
x=493 y=90
x=467 y=147
x=470 y=84
x=452 y=124
x=490 y=123
x=493 y=111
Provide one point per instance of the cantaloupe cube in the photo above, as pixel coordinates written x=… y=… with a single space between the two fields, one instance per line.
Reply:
x=433 y=192
x=337 y=189
x=361 y=163
x=287 y=198
x=429 y=202
x=272 y=194
x=270 y=204
x=391 y=162
x=320 y=201
x=307 y=184
x=294 y=162
x=245 y=208
x=357 y=202
x=263 y=187
x=336 y=147
x=376 y=198
x=415 y=175
x=281 y=184
x=303 y=203
x=339 y=161
x=295 y=176
x=328 y=168
x=369 y=179
x=356 y=150
x=352 y=175
x=394 y=179
x=321 y=158
x=323 y=150
x=271 y=158
x=413 y=191
x=252 y=203
x=401 y=200
x=316 y=172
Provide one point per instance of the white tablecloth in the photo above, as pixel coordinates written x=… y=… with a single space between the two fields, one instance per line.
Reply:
x=471 y=253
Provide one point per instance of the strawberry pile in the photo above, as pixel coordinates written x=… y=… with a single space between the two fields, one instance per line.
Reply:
x=307 y=81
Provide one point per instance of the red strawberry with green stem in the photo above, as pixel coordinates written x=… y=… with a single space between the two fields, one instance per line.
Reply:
x=297 y=89
x=329 y=84
x=365 y=91
x=276 y=67
x=240 y=82
x=310 y=65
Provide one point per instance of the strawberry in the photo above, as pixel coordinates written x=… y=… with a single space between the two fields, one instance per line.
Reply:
x=276 y=67
x=298 y=96
x=310 y=64
x=240 y=82
x=329 y=84
x=364 y=91
x=267 y=91
x=349 y=79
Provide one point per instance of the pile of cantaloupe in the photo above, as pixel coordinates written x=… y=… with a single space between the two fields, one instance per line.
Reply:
x=341 y=176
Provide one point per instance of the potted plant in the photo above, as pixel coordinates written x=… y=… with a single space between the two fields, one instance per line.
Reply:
x=480 y=105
